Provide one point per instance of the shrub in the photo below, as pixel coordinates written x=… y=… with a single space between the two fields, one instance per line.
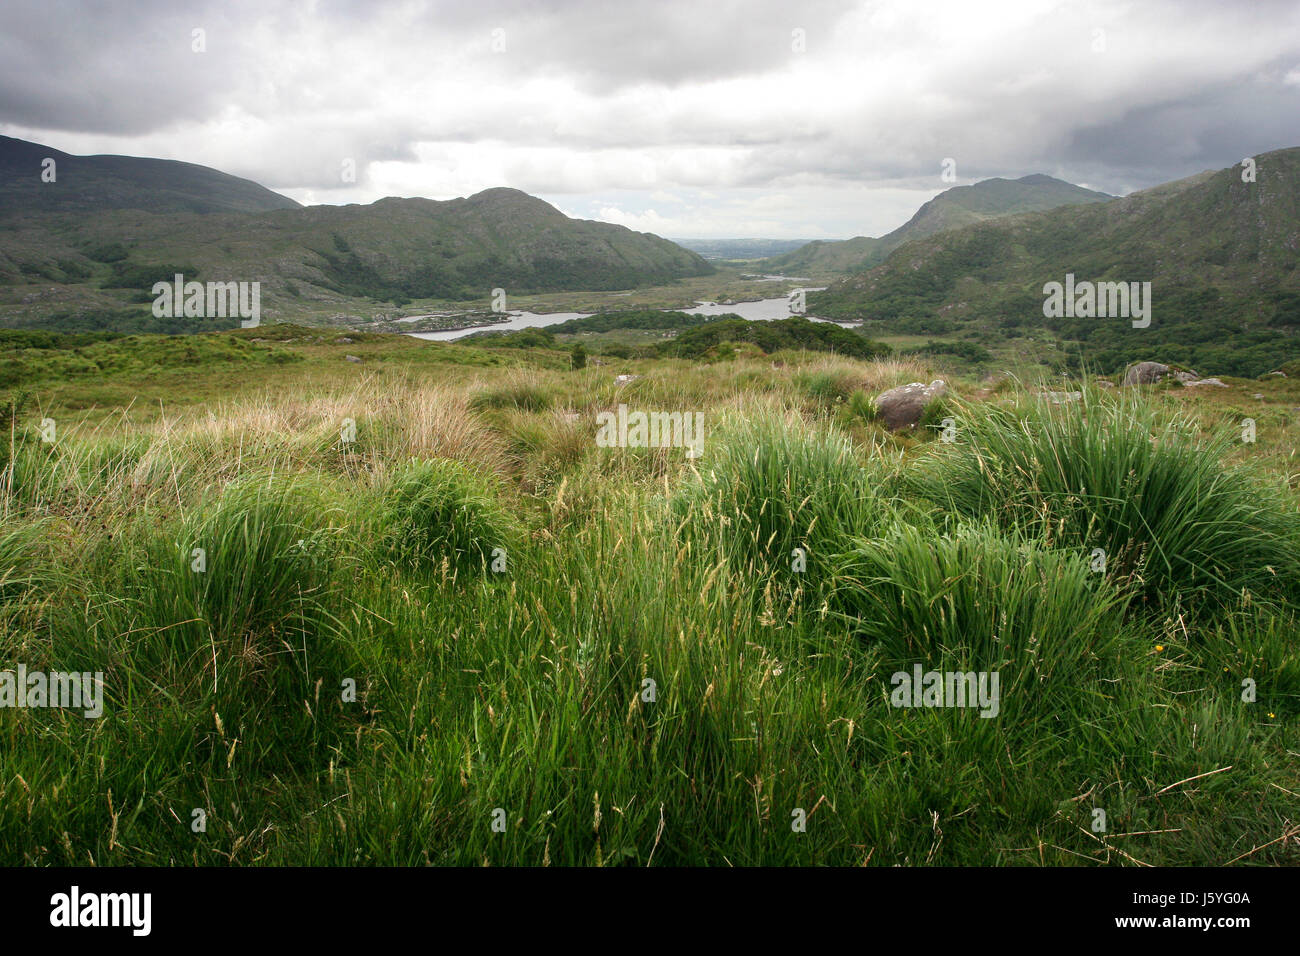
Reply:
x=107 y=252
x=935 y=411
x=984 y=590
x=523 y=395
x=23 y=566
x=267 y=557
x=437 y=510
x=769 y=484
x=827 y=389
x=128 y=275
x=1173 y=520
x=977 y=598
x=861 y=407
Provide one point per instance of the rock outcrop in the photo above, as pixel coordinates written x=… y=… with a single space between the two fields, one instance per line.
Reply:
x=902 y=407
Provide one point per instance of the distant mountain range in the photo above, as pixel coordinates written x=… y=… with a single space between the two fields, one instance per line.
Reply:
x=1221 y=254
x=951 y=209
x=740 y=248
x=107 y=227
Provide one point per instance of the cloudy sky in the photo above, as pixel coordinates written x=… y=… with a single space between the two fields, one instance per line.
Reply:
x=688 y=118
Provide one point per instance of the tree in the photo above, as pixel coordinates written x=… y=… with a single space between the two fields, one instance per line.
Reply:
x=579 y=357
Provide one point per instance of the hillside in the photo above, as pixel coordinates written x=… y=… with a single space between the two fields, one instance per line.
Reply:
x=88 y=184
x=741 y=248
x=952 y=209
x=90 y=263
x=502 y=588
x=1220 y=253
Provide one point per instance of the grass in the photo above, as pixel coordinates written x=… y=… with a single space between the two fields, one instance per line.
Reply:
x=251 y=564
x=978 y=596
x=1175 y=523
x=649 y=681
x=774 y=492
x=437 y=511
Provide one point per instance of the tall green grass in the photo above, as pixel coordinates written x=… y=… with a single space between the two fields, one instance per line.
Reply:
x=978 y=599
x=770 y=484
x=633 y=689
x=256 y=558
x=436 y=512
x=1176 y=524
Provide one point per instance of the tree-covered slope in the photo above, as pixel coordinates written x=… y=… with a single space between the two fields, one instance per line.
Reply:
x=1220 y=254
x=951 y=209
x=325 y=257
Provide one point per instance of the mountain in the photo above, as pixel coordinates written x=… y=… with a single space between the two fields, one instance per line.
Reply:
x=951 y=209
x=740 y=248
x=84 y=184
x=463 y=248
x=99 y=251
x=1221 y=256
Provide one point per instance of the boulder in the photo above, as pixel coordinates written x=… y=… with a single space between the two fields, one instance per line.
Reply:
x=903 y=406
x=1145 y=373
x=352 y=358
x=1149 y=373
x=1206 y=381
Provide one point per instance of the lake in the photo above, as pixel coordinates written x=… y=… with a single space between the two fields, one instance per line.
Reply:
x=760 y=310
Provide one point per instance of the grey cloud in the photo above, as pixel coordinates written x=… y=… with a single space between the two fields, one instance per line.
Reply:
x=592 y=94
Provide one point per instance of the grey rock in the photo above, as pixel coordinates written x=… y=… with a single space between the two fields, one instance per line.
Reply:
x=903 y=406
x=1206 y=381
x=352 y=358
x=1145 y=373
x=1149 y=373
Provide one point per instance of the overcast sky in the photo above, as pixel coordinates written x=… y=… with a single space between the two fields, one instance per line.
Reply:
x=698 y=118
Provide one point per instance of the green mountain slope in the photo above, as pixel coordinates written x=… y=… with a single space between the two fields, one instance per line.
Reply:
x=463 y=248
x=1220 y=253
x=952 y=209
x=86 y=184
x=83 y=259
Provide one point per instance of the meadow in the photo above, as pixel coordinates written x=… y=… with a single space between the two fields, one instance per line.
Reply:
x=405 y=611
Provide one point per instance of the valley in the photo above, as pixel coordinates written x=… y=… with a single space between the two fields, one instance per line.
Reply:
x=656 y=564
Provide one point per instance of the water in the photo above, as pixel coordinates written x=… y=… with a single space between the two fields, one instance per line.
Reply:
x=518 y=320
x=761 y=310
